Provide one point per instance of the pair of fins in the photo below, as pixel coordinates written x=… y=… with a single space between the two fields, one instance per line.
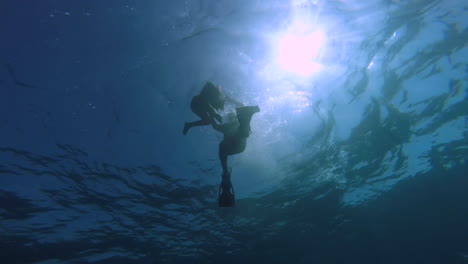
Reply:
x=226 y=196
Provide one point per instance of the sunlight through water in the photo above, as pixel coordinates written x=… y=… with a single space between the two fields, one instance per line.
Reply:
x=298 y=46
x=297 y=52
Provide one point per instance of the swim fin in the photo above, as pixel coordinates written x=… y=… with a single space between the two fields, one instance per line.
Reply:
x=226 y=196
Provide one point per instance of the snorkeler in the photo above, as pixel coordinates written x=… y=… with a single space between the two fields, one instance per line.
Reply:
x=206 y=105
x=235 y=131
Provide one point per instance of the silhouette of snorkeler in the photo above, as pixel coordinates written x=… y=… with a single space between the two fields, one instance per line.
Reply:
x=206 y=105
x=235 y=132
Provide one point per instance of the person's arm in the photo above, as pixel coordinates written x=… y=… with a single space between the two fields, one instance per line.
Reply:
x=232 y=100
x=214 y=114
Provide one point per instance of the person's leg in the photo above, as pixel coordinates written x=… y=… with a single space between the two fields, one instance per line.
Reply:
x=189 y=125
x=223 y=154
x=198 y=109
x=230 y=146
x=226 y=197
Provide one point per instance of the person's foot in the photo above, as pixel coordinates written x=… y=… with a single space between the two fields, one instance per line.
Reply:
x=226 y=176
x=226 y=197
x=226 y=185
x=186 y=128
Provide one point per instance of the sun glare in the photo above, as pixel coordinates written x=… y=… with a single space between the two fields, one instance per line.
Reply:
x=297 y=53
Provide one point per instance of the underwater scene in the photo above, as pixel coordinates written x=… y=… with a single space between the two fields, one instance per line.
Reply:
x=234 y=131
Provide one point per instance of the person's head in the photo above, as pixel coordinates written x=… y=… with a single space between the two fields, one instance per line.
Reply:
x=211 y=90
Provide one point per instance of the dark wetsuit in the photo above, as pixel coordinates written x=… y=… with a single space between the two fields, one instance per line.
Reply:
x=201 y=108
x=236 y=143
x=205 y=105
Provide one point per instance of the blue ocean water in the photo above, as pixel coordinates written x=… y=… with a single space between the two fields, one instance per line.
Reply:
x=359 y=153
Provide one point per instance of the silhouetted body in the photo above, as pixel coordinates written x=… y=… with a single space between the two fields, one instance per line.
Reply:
x=206 y=106
x=234 y=142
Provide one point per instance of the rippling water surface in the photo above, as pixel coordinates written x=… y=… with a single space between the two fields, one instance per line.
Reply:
x=359 y=154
